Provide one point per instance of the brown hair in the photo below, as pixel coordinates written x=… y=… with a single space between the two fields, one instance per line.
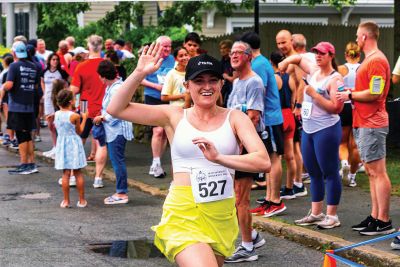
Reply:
x=227 y=42
x=58 y=85
x=64 y=97
x=371 y=27
x=352 y=50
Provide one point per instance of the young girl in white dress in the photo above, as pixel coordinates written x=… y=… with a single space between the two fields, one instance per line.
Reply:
x=70 y=154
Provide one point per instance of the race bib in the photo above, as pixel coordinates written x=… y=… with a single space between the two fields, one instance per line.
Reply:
x=376 y=85
x=306 y=110
x=211 y=184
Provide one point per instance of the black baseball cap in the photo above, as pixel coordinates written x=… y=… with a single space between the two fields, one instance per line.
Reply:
x=203 y=63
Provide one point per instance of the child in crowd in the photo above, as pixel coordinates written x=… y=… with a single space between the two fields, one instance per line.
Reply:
x=70 y=154
x=173 y=89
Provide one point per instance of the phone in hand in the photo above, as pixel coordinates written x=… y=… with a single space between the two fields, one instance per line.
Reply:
x=305 y=80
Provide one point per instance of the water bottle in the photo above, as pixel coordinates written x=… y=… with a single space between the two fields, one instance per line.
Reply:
x=340 y=86
x=264 y=135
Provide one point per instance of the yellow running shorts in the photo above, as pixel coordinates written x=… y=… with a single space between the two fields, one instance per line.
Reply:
x=184 y=223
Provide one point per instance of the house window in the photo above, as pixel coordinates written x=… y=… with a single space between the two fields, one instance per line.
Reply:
x=22 y=24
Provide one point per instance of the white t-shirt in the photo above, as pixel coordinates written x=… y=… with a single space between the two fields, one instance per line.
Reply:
x=174 y=86
x=44 y=55
x=48 y=78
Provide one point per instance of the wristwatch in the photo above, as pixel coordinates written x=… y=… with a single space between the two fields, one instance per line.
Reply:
x=350 y=96
x=298 y=105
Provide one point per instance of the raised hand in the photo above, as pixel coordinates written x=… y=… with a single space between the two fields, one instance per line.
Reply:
x=207 y=147
x=150 y=60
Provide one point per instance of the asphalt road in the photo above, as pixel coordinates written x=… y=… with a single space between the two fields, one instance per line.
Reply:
x=34 y=231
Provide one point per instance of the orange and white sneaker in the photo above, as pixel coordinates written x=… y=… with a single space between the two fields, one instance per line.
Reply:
x=260 y=210
x=274 y=209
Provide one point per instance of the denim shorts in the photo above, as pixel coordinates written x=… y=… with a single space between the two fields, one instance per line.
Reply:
x=371 y=143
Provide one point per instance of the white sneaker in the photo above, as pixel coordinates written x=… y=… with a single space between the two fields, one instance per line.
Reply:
x=329 y=222
x=98 y=182
x=50 y=153
x=352 y=182
x=151 y=171
x=361 y=168
x=159 y=172
x=344 y=172
x=72 y=181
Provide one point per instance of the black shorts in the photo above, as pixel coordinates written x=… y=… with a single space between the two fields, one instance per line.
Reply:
x=153 y=101
x=274 y=141
x=239 y=174
x=21 y=121
x=346 y=116
x=297 y=130
x=87 y=129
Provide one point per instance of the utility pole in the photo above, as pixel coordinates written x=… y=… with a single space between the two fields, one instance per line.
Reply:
x=256 y=16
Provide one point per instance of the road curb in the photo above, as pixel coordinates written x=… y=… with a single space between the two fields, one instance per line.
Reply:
x=365 y=255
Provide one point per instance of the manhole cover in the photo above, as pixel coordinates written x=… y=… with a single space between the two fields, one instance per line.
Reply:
x=132 y=249
x=36 y=196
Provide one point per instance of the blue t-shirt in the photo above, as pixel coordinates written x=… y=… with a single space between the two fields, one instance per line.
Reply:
x=25 y=77
x=159 y=77
x=273 y=113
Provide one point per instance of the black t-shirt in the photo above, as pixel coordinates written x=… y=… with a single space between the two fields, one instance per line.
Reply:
x=25 y=77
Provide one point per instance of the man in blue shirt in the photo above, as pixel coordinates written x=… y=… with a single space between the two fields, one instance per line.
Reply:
x=22 y=82
x=153 y=84
x=273 y=120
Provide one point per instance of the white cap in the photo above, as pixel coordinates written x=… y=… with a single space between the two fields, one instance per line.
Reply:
x=79 y=49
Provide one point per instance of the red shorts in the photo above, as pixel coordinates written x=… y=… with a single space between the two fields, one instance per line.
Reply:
x=289 y=124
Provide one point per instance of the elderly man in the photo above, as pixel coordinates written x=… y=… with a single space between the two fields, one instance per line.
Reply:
x=153 y=84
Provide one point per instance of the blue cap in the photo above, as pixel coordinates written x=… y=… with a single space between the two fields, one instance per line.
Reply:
x=19 y=49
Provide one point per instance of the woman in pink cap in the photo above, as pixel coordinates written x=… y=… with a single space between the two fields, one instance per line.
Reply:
x=321 y=132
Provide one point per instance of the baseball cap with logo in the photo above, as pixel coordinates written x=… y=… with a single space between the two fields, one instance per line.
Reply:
x=19 y=49
x=203 y=63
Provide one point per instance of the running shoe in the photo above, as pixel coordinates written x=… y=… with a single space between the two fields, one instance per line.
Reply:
x=260 y=210
x=259 y=241
x=300 y=191
x=361 y=168
x=310 y=219
x=378 y=227
x=287 y=193
x=72 y=181
x=306 y=178
x=21 y=169
x=14 y=144
x=98 y=182
x=274 y=209
x=261 y=200
x=344 y=172
x=31 y=168
x=159 y=172
x=329 y=222
x=364 y=224
x=151 y=171
x=352 y=182
x=6 y=142
x=395 y=243
x=241 y=254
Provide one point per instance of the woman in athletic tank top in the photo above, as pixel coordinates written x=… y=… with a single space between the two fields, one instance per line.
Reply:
x=197 y=196
x=321 y=133
x=348 y=153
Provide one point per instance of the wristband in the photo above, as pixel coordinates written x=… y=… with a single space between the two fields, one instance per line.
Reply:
x=298 y=105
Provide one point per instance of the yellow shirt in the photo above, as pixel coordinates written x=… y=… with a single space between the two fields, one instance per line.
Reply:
x=174 y=86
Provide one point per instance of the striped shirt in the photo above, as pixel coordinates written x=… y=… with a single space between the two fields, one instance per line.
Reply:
x=113 y=126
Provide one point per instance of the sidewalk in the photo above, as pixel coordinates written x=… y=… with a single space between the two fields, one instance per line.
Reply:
x=354 y=206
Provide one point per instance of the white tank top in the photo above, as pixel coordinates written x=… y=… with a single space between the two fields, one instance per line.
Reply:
x=320 y=118
x=185 y=155
x=350 y=79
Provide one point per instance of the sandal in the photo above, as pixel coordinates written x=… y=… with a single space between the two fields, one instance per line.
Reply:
x=64 y=205
x=80 y=205
x=114 y=199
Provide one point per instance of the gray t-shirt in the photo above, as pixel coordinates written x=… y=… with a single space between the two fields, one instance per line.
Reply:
x=249 y=92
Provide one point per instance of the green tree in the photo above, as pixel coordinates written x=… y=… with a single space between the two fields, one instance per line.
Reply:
x=57 y=20
x=338 y=4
